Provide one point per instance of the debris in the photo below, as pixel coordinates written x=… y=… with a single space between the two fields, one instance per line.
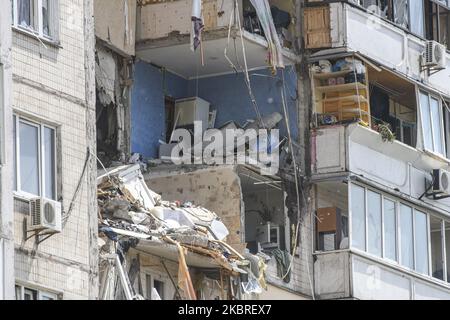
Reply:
x=134 y=217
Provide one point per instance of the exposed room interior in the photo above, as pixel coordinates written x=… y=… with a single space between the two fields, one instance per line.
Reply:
x=331 y=216
x=267 y=226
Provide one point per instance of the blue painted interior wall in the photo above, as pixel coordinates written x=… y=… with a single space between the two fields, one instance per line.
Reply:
x=151 y=85
x=227 y=94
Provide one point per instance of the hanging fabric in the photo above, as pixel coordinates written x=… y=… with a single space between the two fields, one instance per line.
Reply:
x=197 y=24
x=275 y=56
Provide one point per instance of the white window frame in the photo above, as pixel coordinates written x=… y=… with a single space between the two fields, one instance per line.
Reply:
x=40 y=293
x=441 y=117
x=415 y=209
x=41 y=161
x=38 y=25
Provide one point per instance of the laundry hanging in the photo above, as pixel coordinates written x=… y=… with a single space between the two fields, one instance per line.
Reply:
x=197 y=24
x=275 y=58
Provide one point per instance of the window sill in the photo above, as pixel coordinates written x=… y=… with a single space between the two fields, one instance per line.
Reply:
x=44 y=40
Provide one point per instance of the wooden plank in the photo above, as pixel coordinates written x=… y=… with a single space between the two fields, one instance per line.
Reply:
x=318 y=27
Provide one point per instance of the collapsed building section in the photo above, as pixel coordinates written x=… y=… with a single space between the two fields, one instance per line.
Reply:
x=160 y=250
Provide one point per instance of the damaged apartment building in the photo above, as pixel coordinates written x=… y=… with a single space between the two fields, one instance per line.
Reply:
x=360 y=93
x=48 y=242
x=238 y=225
x=380 y=144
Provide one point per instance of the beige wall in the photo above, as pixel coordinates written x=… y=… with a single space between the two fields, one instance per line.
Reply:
x=217 y=190
x=50 y=87
x=115 y=24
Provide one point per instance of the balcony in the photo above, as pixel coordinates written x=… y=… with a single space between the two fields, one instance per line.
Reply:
x=357 y=150
x=163 y=38
x=343 y=26
x=347 y=275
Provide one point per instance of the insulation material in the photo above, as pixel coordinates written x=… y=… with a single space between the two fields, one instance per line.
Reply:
x=262 y=8
x=105 y=76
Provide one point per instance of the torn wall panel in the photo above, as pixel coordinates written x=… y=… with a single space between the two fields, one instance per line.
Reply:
x=115 y=24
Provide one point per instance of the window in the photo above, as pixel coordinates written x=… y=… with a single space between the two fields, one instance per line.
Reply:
x=390 y=230
x=406 y=237
x=154 y=284
x=421 y=242
x=374 y=223
x=36 y=16
x=436 y=239
x=358 y=217
x=24 y=293
x=411 y=237
x=437 y=22
x=447 y=248
x=35 y=158
x=432 y=124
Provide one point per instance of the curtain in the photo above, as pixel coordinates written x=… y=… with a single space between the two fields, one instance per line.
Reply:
x=24 y=10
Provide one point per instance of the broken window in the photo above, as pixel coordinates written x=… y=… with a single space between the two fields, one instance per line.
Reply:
x=154 y=288
x=37 y=16
x=332 y=217
x=35 y=158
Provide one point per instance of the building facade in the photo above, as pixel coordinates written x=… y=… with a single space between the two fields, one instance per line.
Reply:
x=51 y=150
x=381 y=229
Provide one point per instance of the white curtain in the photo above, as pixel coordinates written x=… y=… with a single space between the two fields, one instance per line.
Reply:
x=265 y=17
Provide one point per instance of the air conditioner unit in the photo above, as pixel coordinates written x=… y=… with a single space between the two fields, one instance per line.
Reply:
x=441 y=183
x=435 y=56
x=45 y=215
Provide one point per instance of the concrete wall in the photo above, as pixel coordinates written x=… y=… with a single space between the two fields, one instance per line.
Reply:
x=115 y=24
x=148 y=114
x=227 y=94
x=6 y=211
x=218 y=190
x=52 y=86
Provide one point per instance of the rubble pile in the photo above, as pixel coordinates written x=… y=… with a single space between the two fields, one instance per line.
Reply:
x=129 y=210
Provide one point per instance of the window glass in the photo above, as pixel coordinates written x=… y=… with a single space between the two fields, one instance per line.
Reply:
x=437 y=126
x=15 y=151
x=437 y=261
x=46 y=17
x=29 y=294
x=421 y=242
x=29 y=158
x=374 y=222
x=390 y=230
x=25 y=13
x=426 y=121
x=401 y=13
x=447 y=248
x=358 y=218
x=49 y=163
x=416 y=10
x=406 y=236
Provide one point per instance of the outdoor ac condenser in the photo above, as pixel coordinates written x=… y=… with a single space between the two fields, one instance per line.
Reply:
x=441 y=182
x=435 y=56
x=45 y=215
